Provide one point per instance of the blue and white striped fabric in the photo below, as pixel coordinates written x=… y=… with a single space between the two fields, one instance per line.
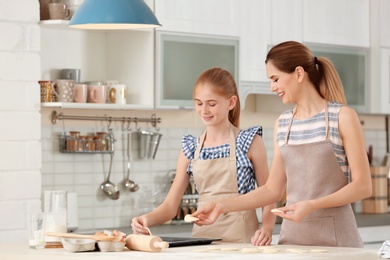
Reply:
x=313 y=129
x=245 y=172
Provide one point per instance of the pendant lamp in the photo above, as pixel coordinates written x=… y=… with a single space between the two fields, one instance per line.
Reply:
x=113 y=15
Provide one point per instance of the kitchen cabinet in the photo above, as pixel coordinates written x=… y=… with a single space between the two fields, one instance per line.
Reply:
x=217 y=17
x=255 y=39
x=335 y=22
x=344 y=22
x=384 y=21
x=290 y=27
x=182 y=57
x=248 y=20
x=385 y=81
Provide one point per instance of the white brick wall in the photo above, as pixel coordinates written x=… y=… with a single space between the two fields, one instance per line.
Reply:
x=20 y=127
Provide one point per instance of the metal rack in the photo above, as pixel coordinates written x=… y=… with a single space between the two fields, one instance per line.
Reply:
x=153 y=120
x=70 y=144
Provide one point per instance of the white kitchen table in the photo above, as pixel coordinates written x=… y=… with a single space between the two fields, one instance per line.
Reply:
x=10 y=251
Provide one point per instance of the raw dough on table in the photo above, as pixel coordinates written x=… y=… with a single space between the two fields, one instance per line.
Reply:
x=297 y=250
x=229 y=249
x=270 y=251
x=213 y=248
x=319 y=250
x=250 y=250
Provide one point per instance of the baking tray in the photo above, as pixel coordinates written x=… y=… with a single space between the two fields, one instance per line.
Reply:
x=188 y=241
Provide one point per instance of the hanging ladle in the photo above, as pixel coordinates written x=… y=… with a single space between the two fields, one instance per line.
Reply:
x=108 y=187
x=131 y=185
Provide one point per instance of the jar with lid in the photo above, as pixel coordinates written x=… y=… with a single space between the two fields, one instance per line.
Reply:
x=82 y=142
x=90 y=143
x=104 y=140
x=73 y=143
x=99 y=144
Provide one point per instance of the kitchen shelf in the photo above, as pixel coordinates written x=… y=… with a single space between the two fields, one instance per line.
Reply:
x=58 y=24
x=95 y=106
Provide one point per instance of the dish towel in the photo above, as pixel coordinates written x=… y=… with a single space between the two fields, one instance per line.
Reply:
x=384 y=251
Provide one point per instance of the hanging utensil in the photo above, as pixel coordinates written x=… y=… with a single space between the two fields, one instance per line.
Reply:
x=108 y=187
x=131 y=185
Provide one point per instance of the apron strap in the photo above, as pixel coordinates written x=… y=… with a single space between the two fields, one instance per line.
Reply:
x=294 y=111
x=326 y=120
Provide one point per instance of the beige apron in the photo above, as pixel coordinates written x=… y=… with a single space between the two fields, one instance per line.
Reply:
x=312 y=172
x=217 y=179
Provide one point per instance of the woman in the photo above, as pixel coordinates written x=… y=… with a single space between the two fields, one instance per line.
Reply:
x=319 y=155
x=225 y=162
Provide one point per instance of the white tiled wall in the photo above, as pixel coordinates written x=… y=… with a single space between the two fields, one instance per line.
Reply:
x=83 y=173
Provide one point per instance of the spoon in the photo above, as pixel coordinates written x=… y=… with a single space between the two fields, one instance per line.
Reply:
x=131 y=185
x=108 y=187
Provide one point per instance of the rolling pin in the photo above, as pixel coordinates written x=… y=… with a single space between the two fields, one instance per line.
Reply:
x=145 y=243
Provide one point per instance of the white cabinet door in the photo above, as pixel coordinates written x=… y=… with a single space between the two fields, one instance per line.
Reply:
x=384 y=7
x=385 y=82
x=338 y=22
x=216 y=17
x=255 y=39
x=286 y=21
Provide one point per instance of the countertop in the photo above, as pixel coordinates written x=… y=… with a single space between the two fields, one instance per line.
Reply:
x=214 y=251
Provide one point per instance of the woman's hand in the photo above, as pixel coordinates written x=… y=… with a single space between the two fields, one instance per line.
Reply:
x=207 y=214
x=296 y=212
x=262 y=237
x=138 y=225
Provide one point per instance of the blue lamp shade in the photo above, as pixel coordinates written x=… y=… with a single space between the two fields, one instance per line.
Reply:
x=113 y=14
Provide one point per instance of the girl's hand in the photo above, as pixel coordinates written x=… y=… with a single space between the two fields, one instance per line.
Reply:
x=138 y=225
x=262 y=237
x=296 y=212
x=207 y=214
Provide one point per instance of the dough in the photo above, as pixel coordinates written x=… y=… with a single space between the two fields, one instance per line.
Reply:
x=297 y=250
x=213 y=248
x=189 y=218
x=229 y=249
x=318 y=250
x=276 y=211
x=270 y=251
x=250 y=250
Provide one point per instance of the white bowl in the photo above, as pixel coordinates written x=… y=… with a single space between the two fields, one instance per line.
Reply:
x=111 y=246
x=78 y=245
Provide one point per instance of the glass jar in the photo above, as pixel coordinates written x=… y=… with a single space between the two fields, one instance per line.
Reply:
x=90 y=143
x=99 y=144
x=73 y=143
x=82 y=142
x=104 y=140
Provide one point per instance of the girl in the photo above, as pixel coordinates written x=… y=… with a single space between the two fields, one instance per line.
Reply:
x=225 y=162
x=319 y=155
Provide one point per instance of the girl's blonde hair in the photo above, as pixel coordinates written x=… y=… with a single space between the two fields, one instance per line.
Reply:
x=223 y=83
x=286 y=56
